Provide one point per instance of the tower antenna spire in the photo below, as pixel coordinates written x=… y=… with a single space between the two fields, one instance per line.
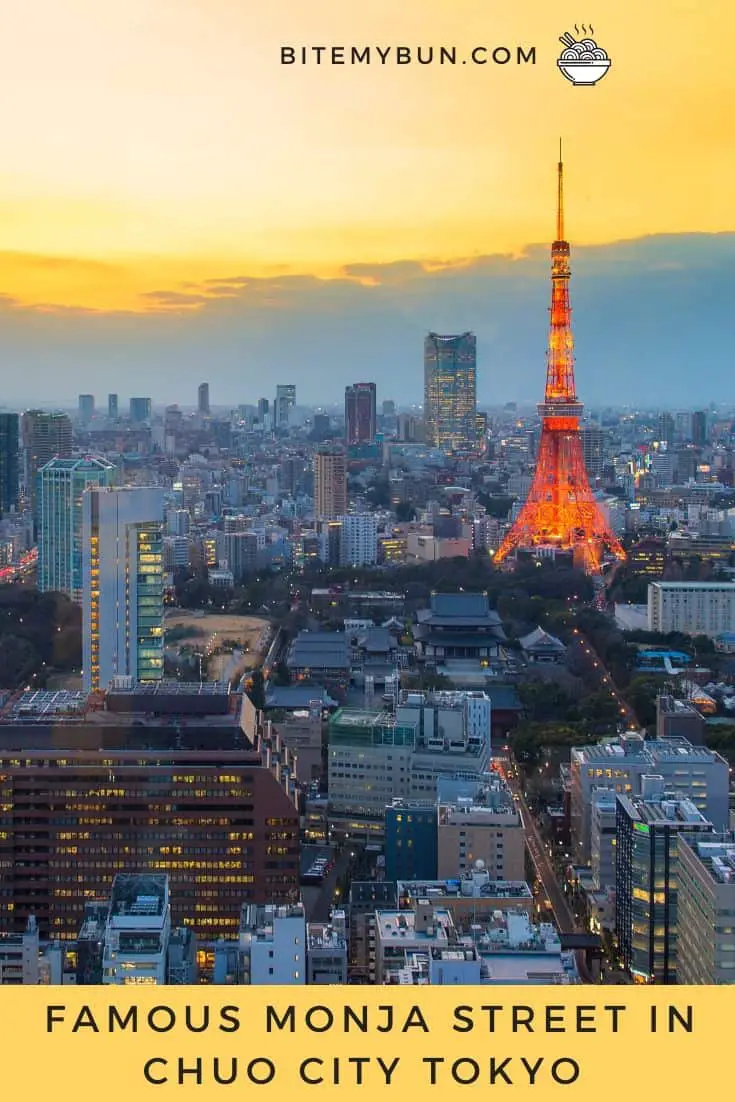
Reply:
x=560 y=197
x=560 y=513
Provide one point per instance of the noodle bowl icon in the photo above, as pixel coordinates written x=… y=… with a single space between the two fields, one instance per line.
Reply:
x=582 y=62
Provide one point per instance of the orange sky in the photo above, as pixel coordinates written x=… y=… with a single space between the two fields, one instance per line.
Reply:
x=149 y=144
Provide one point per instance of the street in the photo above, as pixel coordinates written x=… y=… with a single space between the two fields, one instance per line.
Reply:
x=563 y=916
x=627 y=715
x=544 y=869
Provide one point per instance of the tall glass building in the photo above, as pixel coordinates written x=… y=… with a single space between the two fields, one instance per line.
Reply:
x=123 y=585
x=450 y=391
x=647 y=834
x=61 y=486
x=9 y=474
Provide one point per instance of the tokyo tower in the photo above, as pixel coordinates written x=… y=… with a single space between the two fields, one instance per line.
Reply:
x=560 y=511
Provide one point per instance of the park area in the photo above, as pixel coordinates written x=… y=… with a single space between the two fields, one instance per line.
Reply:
x=228 y=644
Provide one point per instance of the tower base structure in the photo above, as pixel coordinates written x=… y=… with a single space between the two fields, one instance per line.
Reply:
x=560 y=512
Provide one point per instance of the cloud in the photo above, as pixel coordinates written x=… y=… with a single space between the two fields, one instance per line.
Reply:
x=40 y=262
x=652 y=319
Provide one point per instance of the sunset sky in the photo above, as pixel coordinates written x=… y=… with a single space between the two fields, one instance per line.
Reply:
x=169 y=191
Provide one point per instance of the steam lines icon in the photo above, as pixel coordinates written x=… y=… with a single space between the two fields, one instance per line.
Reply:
x=582 y=61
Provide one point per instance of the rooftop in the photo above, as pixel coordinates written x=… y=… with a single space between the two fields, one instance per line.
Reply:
x=664 y=812
x=394 y=925
x=717 y=854
x=724 y=586
x=324 y=936
x=474 y=885
x=138 y=896
x=632 y=748
x=319 y=650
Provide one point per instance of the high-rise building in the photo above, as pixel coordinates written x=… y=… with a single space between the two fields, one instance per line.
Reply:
x=140 y=410
x=450 y=390
x=203 y=400
x=86 y=408
x=285 y=400
x=330 y=483
x=706 y=906
x=44 y=436
x=593 y=450
x=360 y=413
x=112 y=407
x=122 y=537
x=695 y=608
x=8 y=463
x=62 y=483
x=264 y=414
x=358 y=544
x=665 y=428
x=222 y=825
x=478 y=822
x=699 y=428
x=646 y=878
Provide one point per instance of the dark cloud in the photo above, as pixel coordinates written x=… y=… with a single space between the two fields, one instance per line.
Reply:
x=653 y=323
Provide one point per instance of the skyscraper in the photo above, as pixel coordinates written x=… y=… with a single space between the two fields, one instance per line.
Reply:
x=122 y=532
x=646 y=877
x=8 y=463
x=665 y=428
x=86 y=408
x=593 y=449
x=44 y=436
x=285 y=400
x=203 y=400
x=699 y=428
x=62 y=483
x=112 y=406
x=450 y=390
x=140 y=410
x=360 y=413
x=330 y=483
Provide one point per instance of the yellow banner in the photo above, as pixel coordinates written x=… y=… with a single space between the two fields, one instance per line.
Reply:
x=272 y=1042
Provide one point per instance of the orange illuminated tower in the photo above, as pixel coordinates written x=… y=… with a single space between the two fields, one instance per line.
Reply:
x=560 y=511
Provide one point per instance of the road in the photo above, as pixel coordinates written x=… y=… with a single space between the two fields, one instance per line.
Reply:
x=627 y=715
x=563 y=915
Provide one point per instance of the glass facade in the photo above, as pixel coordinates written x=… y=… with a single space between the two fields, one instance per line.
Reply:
x=450 y=391
x=150 y=602
x=61 y=486
x=646 y=880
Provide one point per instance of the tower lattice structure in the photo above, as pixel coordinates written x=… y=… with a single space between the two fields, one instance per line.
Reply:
x=560 y=510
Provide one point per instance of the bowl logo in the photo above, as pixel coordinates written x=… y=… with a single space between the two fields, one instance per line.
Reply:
x=582 y=61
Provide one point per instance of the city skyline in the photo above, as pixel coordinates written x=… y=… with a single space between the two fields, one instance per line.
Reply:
x=146 y=238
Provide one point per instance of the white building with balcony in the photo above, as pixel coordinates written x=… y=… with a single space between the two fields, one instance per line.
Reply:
x=138 y=930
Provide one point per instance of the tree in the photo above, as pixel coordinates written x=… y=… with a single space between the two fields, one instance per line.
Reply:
x=282 y=674
x=256 y=689
x=405 y=511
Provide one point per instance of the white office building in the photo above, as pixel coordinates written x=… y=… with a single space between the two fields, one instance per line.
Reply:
x=273 y=944
x=377 y=757
x=695 y=608
x=19 y=956
x=621 y=766
x=123 y=585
